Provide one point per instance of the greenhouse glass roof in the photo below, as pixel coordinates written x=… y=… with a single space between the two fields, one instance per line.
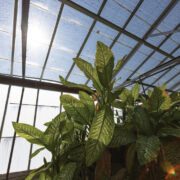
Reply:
x=39 y=38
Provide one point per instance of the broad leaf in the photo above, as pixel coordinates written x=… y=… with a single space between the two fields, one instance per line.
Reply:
x=88 y=102
x=122 y=136
x=54 y=125
x=135 y=91
x=142 y=121
x=77 y=110
x=169 y=131
x=104 y=63
x=118 y=66
x=147 y=148
x=44 y=176
x=89 y=71
x=100 y=134
x=118 y=104
x=114 y=95
x=126 y=97
x=36 y=152
x=149 y=93
x=81 y=86
x=67 y=171
x=30 y=133
x=159 y=100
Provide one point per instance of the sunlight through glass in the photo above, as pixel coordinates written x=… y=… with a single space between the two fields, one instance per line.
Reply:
x=36 y=34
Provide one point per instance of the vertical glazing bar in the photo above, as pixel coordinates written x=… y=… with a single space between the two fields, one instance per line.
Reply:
x=5 y=110
x=34 y=123
x=24 y=28
x=14 y=137
x=12 y=62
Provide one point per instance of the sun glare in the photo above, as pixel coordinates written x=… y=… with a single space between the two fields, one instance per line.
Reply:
x=36 y=34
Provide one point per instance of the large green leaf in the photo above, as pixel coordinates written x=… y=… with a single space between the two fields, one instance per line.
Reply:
x=30 y=133
x=142 y=120
x=88 y=102
x=159 y=100
x=118 y=66
x=37 y=152
x=118 y=104
x=114 y=95
x=89 y=71
x=67 y=171
x=104 y=63
x=169 y=131
x=126 y=97
x=147 y=148
x=76 y=109
x=44 y=176
x=54 y=125
x=100 y=134
x=81 y=86
x=122 y=136
x=135 y=91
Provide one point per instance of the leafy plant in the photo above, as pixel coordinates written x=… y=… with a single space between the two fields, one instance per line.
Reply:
x=146 y=123
x=82 y=138
x=87 y=125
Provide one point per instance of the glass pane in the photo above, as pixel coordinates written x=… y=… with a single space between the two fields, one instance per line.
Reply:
x=6 y=15
x=20 y=155
x=5 y=148
x=92 y=5
x=115 y=13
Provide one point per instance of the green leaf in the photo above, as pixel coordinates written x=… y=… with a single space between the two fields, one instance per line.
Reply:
x=122 y=136
x=169 y=131
x=36 y=152
x=159 y=100
x=77 y=110
x=147 y=148
x=114 y=95
x=81 y=86
x=144 y=101
x=88 y=102
x=90 y=72
x=44 y=176
x=135 y=91
x=30 y=133
x=149 y=93
x=100 y=134
x=104 y=63
x=67 y=171
x=35 y=173
x=118 y=104
x=175 y=96
x=118 y=66
x=126 y=97
x=142 y=120
x=54 y=125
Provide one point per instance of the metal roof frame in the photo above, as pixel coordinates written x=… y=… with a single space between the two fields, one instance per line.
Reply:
x=40 y=84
